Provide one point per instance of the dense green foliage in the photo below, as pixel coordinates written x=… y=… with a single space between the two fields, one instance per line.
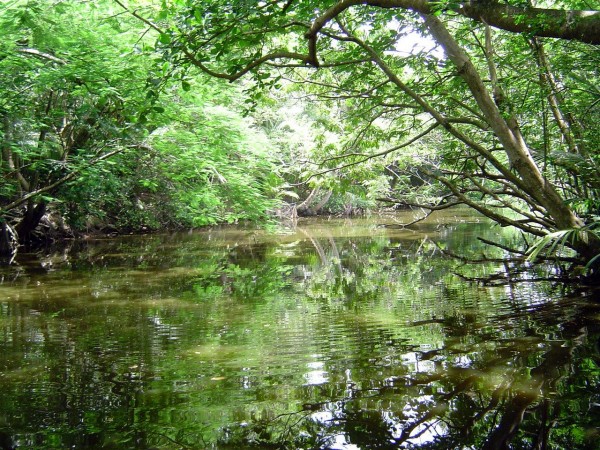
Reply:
x=502 y=121
x=70 y=98
x=95 y=136
x=122 y=116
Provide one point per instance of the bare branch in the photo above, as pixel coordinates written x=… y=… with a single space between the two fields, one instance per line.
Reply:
x=441 y=205
x=496 y=217
x=503 y=247
x=323 y=65
x=142 y=18
x=37 y=53
x=282 y=54
x=508 y=205
x=469 y=121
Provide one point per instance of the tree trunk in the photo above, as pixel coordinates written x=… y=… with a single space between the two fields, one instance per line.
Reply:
x=305 y=205
x=305 y=209
x=319 y=206
x=507 y=133
x=30 y=221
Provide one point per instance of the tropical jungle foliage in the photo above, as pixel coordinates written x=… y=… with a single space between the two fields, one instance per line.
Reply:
x=130 y=116
x=506 y=113
x=95 y=136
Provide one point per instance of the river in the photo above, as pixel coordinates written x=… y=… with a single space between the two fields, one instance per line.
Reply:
x=336 y=334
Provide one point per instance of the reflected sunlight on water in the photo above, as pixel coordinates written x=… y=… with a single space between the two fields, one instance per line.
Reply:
x=341 y=334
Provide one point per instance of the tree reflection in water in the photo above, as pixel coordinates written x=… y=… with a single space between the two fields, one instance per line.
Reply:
x=534 y=392
x=339 y=335
x=465 y=403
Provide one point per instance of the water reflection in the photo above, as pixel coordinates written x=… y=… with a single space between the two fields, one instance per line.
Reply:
x=341 y=334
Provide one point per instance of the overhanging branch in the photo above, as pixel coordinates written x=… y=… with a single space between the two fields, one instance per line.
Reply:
x=282 y=54
x=368 y=157
x=544 y=22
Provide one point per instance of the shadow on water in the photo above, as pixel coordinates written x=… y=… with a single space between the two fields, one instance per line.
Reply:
x=339 y=334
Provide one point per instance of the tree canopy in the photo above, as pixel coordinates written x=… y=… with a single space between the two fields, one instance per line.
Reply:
x=506 y=110
x=92 y=131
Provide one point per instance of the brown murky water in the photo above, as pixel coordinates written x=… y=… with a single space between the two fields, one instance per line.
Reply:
x=340 y=334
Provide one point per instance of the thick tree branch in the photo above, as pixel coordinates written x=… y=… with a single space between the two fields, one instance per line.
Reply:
x=554 y=23
x=562 y=24
x=506 y=131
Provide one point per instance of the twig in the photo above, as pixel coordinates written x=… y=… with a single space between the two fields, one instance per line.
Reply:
x=503 y=247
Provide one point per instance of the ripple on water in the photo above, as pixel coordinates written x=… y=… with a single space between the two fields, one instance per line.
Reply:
x=345 y=338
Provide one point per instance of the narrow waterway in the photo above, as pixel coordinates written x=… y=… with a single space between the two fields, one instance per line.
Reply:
x=338 y=334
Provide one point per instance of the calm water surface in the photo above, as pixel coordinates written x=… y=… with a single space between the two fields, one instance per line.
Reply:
x=339 y=334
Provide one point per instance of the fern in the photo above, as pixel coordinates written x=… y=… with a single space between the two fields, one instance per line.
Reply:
x=555 y=243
